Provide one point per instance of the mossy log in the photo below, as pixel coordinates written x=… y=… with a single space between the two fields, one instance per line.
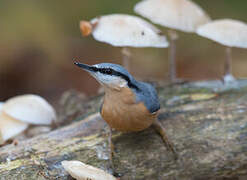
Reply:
x=208 y=129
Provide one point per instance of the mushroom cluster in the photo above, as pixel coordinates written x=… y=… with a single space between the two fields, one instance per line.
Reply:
x=124 y=30
x=131 y=31
x=17 y=113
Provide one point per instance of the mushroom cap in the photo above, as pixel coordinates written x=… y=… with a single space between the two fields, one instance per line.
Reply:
x=82 y=171
x=31 y=109
x=183 y=15
x=9 y=127
x=125 y=30
x=228 y=32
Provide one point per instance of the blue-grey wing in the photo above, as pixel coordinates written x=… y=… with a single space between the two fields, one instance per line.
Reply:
x=148 y=95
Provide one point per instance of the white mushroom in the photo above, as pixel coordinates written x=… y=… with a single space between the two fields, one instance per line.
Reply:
x=81 y=171
x=228 y=32
x=124 y=31
x=9 y=127
x=31 y=109
x=1 y=105
x=183 y=15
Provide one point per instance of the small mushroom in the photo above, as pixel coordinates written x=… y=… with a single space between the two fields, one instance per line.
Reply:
x=230 y=33
x=122 y=30
x=10 y=127
x=183 y=15
x=81 y=171
x=30 y=109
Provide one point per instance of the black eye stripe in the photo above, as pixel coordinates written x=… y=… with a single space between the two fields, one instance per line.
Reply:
x=102 y=70
x=92 y=68
x=106 y=71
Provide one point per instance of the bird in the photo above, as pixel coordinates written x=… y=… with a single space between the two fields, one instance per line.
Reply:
x=128 y=105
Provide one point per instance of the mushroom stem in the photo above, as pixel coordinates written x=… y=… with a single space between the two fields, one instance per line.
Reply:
x=228 y=77
x=228 y=61
x=172 y=55
x=126 y=56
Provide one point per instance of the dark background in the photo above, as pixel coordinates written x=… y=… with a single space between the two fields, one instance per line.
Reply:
x=40 y=39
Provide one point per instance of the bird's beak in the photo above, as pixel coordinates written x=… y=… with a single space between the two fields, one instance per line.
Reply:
x=91 y=69
x=85 y=67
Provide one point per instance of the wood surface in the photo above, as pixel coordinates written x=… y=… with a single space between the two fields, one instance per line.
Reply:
x=208 y=129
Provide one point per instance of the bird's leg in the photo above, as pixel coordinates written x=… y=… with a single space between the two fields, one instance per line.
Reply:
x=161 y=130
x=111 y=154
x=110 y=147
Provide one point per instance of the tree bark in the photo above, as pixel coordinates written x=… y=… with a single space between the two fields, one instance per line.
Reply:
x=208 y=130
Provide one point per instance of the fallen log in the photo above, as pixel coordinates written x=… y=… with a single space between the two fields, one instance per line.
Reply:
x=208 y=129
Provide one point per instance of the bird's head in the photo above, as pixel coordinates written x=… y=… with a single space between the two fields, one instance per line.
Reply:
x=111 y=76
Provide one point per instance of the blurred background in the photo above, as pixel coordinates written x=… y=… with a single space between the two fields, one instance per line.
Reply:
x=40 y=39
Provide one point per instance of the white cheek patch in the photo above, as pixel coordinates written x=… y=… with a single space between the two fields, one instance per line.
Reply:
x=111 y=81
x=123 y=83
x=116 y=81
x=117 y=84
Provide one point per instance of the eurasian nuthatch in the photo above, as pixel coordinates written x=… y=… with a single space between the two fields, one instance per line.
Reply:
x=129 y=105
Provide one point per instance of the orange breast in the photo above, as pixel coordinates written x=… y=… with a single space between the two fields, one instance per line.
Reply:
x=122 y=113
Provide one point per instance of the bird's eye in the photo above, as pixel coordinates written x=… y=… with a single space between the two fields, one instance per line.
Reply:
x=107 y=71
